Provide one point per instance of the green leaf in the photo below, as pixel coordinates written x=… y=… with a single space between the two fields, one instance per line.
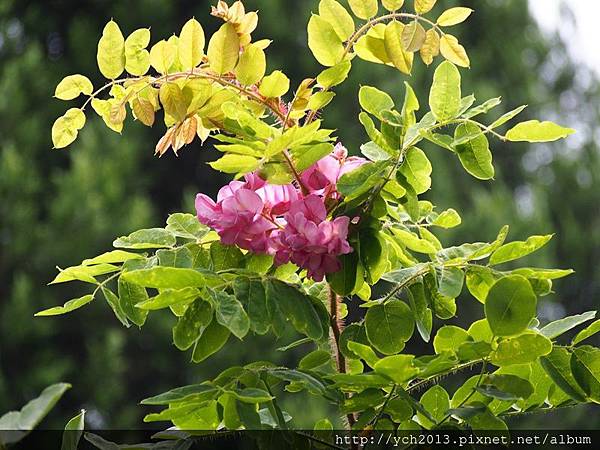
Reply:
x=251 y=294
x=447 y=219
x=561 y=326
x=374 y=101
x=389 y=326
x=536 y=131
x=402 y=276
x=450 y=280
x=557 y=366
x=364 y=9
x=251 y=395
x=230 y=313
x=587 y=332
x=180 y=394
x=66 y=128
x=191 y=44
x=417 y=170
x=295 y=306
x=364 y=352
x=274 y=85
x=165 y=278
x=315 y=359
x=359 y=382
x=510 y=305
x=83 y=273
x=35 y=410
x=145 y=239
x=334 y=75
x=585 y=365
x=474 y=154
x=224 y=257
x=129 y=296
x=252 y=65
x=212 y=339
x=72 y=86
x=185 y=226
x=223 y=49
x=69 y=306
x=359 y=181
x=421 y=310
x=414 y=243
x=470 y=351
x=399 y=368
x=373 y=254
x=189 y=326
x=449 y=338
x=507 y=116
x=436 y=402
x=352 y=333
x=111 y=51
x=506 y=387
x=486 y=421
x=168 y=298
x=115 y=304
x=324 y=42
x=339 y=18
x=73 y=432
x=445 y=94
x=312 y=384
x=479 y=282
x=518 y=249
x=112 y=257
x=231 y=163
x=522 y=349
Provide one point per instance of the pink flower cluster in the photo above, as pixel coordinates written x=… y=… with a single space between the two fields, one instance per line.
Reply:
x=280 y=220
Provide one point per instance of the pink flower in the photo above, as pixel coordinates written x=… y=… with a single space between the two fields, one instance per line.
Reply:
x=311 y=241
x=322 y=176
x=237 y=217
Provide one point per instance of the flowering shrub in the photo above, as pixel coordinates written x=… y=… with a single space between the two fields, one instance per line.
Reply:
x=309 y=230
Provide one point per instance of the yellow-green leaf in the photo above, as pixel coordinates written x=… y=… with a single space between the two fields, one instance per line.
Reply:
x=536 y=131
x=111 y=51
x=251 y=66
x=191 y=44
x=143 y=110
x=401 y=59
x=392 y=5
x=453 y=51
x=231 y=163
x=66 y=127
x=72 y=86
x=173 y=101
x=103 y=108
x=223 y=49
x=339 y=18
x=445 y=94
x=334 y=75
x=413 y=36
x=424 y=6
x=324 y=42
x=274 y=85
x=454 y=16
x=137 y=58
x=364 y=9
x=162 y=56
x=431 y=46
x=69 y=306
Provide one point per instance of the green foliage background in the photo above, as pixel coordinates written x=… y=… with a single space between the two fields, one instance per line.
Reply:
x=63 y=206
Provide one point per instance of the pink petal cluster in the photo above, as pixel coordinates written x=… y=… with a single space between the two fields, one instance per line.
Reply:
x=280 y=221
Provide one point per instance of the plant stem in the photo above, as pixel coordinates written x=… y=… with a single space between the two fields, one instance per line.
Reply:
x=337 y=326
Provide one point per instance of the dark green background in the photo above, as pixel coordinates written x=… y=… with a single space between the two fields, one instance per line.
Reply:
x=58 y=207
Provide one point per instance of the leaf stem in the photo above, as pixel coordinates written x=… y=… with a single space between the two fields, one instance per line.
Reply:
x=337 y=326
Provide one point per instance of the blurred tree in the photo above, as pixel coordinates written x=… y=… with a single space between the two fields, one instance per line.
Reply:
x=72 y=204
